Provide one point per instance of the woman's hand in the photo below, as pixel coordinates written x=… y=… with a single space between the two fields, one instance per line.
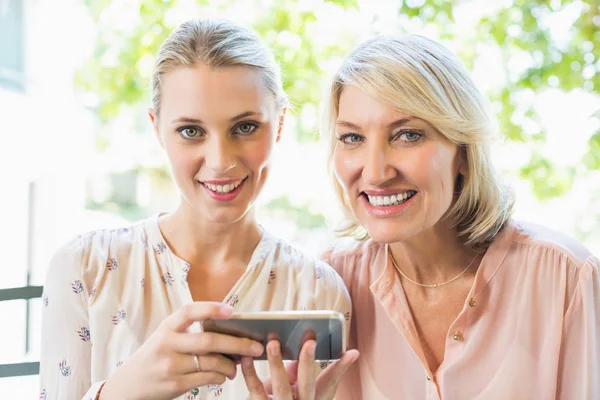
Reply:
x=165 y=367
x=298 y=381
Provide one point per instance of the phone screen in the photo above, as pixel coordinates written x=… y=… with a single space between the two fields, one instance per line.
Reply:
x=291 y=333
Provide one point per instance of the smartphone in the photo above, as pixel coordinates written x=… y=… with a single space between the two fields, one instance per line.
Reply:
x=291 y=328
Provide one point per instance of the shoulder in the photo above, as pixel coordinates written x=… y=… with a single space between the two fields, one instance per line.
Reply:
x=304 y=271
x=106 y=244
x=86 y=255
x=348 y=255
x=300 y=262
x=539 y=242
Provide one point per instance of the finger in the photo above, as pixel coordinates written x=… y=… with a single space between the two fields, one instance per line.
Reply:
x=206 y=363
x=279 y=376
x=292 y=372
x=181 y=319
x=328 y=380
x=255 y=386
x=306 y=371
x=187 y=382
x=211 y=342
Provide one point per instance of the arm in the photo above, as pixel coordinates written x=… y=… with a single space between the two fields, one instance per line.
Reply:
x=327 y=385
x=579 y=365
x=164 y=367
x=342 y=303
x=66 y=338
x=349 y=383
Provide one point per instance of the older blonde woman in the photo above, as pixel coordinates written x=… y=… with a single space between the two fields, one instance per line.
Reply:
x=452 y=299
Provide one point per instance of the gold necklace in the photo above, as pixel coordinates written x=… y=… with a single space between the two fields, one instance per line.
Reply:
x=428 y=285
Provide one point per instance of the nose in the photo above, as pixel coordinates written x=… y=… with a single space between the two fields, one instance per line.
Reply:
x=221 y=154
x=377 y=167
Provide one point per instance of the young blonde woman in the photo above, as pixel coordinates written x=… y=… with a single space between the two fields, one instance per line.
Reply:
x=121 y=307
x=452 y=298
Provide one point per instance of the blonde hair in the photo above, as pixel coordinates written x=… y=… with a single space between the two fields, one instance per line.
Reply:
x=216 y=43
x=419 y=76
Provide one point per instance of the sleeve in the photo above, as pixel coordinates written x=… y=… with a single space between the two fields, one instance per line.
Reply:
x=343 y=304
x=349 y=386
x=579 y=366
x=334 y=296
x=65 y=362
x=333 y=293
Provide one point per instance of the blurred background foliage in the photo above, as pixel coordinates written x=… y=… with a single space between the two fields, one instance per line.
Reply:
x=308 y=37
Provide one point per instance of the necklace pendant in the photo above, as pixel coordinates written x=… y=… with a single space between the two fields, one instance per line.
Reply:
x=435 y=285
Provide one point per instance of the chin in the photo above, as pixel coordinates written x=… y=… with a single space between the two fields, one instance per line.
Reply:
x=217 y=214
x=382 y=236
x=387 y=231
x=226 y=217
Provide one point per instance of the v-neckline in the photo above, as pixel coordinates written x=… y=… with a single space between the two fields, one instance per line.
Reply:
x=167 y=258
x=388 y=291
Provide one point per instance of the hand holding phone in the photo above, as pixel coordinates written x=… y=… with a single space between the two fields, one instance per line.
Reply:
x=291 y=328
x=298 y=380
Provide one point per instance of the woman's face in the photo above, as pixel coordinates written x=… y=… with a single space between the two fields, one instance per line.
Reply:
x=218 y=128
x=397 y=171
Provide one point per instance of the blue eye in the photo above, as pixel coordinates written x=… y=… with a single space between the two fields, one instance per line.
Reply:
x=350 y=138
x=409 y=136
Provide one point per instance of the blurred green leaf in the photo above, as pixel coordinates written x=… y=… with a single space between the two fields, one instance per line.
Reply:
x=116 y=74
x=546 y=180
x=344 y=3
x=300 y=215
x=592 y=158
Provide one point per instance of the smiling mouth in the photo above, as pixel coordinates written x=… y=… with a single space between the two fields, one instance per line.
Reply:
x=389 y=200
x=223 y=189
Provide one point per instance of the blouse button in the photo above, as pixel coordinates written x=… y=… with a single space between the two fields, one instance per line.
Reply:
x=472 y=303
x=195 y=391
x=457 y=335
x=428 y=378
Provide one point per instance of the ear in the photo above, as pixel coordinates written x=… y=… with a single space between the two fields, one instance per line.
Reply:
x=154 y=120
x=281 y=121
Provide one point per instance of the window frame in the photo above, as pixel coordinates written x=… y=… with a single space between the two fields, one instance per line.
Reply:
x=13 y=78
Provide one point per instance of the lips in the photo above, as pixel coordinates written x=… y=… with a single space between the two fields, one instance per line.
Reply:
x=387 y=204
x=392 y=199
x=223 y=186
x=224 y=190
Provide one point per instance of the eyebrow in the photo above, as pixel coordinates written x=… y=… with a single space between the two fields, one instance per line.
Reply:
x=233 y=119
x=395 y=124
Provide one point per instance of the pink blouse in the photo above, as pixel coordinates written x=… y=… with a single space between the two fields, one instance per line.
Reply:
x=529 y=328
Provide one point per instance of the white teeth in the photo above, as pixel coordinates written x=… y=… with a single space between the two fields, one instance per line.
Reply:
x=391 y=200
x=223 y=188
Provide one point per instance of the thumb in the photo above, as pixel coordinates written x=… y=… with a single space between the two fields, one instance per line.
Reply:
x=327 y=381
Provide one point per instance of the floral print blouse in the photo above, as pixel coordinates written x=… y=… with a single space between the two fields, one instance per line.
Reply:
x=107 y=291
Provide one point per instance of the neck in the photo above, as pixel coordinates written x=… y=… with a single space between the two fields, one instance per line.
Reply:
x=208 y=245
x=434 y=256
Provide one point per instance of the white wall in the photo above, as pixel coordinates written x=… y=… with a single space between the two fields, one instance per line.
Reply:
x=46 y=137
